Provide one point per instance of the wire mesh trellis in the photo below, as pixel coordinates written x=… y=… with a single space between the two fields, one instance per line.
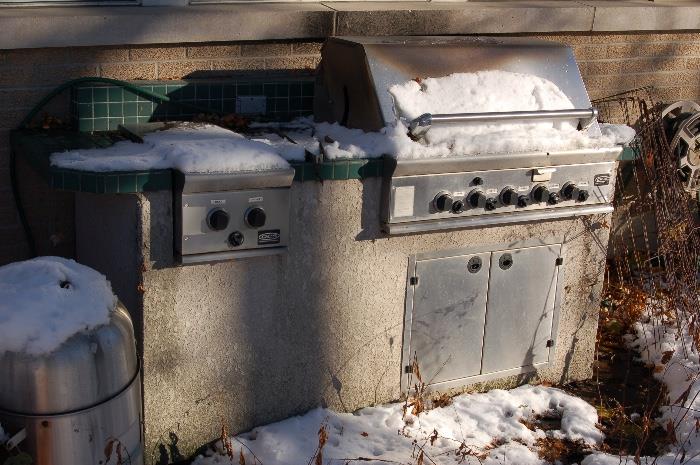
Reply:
x=654 y=242
x=652 y=268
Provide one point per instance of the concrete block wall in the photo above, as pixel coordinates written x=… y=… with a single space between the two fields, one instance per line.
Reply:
x=609 y=64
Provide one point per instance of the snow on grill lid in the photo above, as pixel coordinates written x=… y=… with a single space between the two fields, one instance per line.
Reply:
x=356 y=73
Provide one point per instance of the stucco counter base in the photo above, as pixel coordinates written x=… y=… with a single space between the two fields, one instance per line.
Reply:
x=256 y=340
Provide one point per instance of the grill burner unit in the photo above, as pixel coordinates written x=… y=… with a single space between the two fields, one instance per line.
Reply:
x=471 y=190
x=474 y=313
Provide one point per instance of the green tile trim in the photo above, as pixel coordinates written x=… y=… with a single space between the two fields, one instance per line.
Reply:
x=36 y=147
x=629 y=153
x=103 y=107
x=338 y=170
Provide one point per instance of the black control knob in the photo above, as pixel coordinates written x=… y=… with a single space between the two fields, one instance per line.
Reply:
x=553 y=198
x=540 y=193
x=476 y=198
x=235 y=239
x=477 y=181
x=491 y=204
x=509 y=196
x=443 y=202
x=255 y=217
x=569 y=191
x=457 y=206
x=523 y=201
x=217 y=219
x=582 y=196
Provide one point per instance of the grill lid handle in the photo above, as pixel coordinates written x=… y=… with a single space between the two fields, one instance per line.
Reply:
x=421 y=125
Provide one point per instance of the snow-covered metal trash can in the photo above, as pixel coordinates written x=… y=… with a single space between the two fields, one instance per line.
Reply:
x=68 y=364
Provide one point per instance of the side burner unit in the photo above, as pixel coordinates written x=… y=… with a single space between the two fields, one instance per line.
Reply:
x=225 y=216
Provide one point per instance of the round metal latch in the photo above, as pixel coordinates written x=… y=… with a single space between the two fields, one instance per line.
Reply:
x=506 y=261
x=474 y=264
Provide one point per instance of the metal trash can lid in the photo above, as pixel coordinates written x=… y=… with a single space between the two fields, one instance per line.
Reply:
x=86 y=370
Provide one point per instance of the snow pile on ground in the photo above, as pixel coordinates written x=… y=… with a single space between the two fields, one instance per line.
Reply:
x=677 y=363
x=188 y=148
x=45 y=301
x=620 y=133
x=490 y=425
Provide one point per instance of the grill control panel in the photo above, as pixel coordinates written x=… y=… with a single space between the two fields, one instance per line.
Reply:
x=229 y=221
x=499 y=193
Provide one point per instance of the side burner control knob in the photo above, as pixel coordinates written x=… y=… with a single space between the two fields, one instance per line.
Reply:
x=491 y=204
x=457 y=206
x=523 y=201
x=569 y=191
x=509 y=196
x=553 y=198
x=443 y=202
x=235 y=239
x=217 y=219
x=540 y=193
x=582 y=196
x=476 y=198
x=255 y=217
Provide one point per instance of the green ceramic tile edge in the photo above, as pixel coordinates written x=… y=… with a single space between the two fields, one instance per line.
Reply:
x=628 y=154
x=36 y=147
x=338 y=170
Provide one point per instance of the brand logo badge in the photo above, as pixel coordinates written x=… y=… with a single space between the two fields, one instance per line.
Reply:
x=601 y=179
x=269 y=237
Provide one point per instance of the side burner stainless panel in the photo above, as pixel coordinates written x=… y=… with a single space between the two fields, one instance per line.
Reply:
x=198 y=237
x=447 y=325
x=521 y=298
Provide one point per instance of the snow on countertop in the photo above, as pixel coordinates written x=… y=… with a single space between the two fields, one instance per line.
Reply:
x=46 y=300
x=381 y=433
x=621 y=133
x=188 y=148
x=211 y=149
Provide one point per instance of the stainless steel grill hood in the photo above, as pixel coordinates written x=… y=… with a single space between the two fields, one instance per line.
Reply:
x=356 y=73
x=467 y=190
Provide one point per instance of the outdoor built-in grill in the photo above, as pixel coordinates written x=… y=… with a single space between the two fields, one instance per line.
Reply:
x=474 y=313
x=469 y=190
x=483 y=266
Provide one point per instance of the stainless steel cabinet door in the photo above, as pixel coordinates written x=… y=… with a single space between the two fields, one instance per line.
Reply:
x=521 y=299
x=447 y=324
